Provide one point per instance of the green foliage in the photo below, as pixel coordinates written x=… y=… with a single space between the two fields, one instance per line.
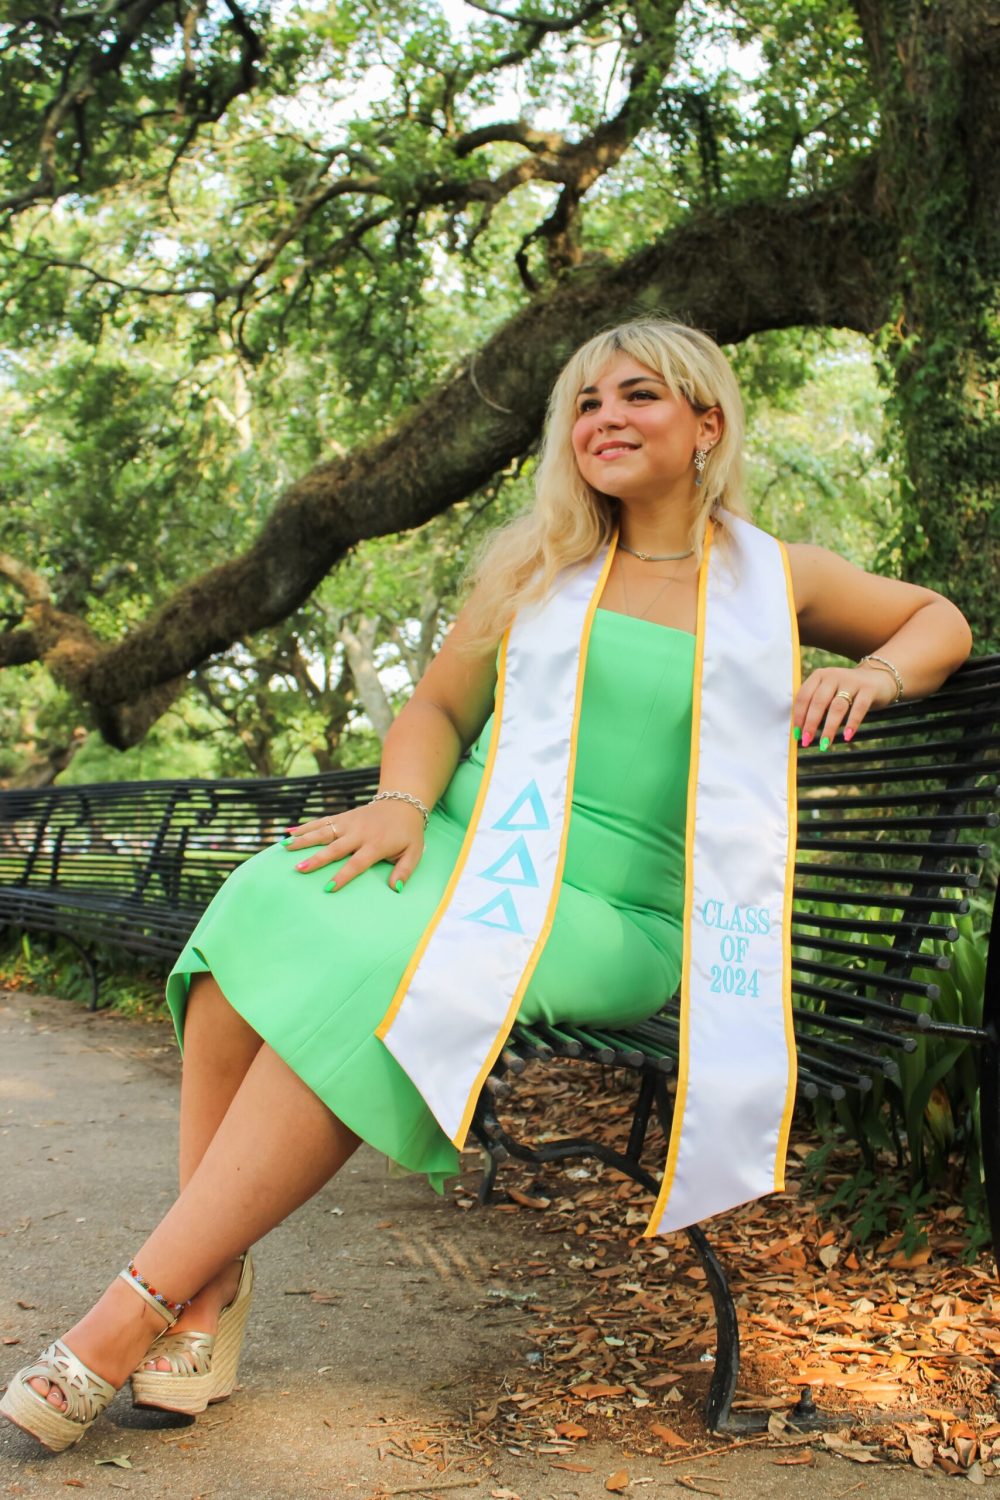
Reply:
x=53 y=967
x=814 y=435
x=94 y=468
x=940 y=351
x=251 y=268
x=875 y=1201
x=918 y=1135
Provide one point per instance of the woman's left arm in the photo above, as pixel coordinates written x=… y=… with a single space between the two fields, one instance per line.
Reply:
x=842 y=608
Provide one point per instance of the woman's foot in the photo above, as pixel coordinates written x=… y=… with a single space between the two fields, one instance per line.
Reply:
x=202 y=1313
x=58 y=1397
x=189 y=1368
x=110 y=1340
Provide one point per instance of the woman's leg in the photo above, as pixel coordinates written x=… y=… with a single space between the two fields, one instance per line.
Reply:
x=219 y=1047
x=276 y=1146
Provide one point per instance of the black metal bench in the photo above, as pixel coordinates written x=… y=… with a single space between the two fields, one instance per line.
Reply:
x=891 y=841
x=133 y=864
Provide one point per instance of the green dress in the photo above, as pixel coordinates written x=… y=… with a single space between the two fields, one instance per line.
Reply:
x=313 y=973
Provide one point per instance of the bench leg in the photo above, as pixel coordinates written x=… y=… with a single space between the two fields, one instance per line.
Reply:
x=719 y=1402
x=87 y=957
x=91 y=968
x=498 y=1145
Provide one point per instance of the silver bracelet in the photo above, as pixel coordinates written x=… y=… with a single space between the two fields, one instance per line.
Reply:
x=423 y=810
x=888 y=667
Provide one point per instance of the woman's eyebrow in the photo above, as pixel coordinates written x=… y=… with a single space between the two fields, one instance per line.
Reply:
x=591 y=390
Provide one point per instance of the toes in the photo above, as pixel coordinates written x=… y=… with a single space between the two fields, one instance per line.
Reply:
x=48 y=1392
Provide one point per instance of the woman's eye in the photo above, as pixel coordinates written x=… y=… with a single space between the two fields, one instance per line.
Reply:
x=651 y=395
x=584 y=407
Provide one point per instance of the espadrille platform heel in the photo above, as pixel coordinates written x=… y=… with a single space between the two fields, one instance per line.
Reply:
x=86 y=1393
x=202 y=1365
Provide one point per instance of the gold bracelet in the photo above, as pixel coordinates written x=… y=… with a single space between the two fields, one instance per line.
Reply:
x=886 y=666
x=423 y=810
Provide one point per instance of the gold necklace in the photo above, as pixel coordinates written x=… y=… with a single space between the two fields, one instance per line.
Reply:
x=654 y=556
x=661 y=590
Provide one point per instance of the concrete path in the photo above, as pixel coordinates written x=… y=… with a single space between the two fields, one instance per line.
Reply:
x=372 y=1325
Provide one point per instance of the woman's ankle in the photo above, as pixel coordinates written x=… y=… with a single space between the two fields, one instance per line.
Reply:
x=203 y=1312
x=111 y=1338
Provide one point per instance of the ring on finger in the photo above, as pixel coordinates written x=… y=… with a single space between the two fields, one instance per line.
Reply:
x=847 y=697
x=332 y=827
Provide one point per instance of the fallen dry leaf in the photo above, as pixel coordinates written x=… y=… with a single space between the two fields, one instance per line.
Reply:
x=574 y=1468
x=966 y=1450
x=848 y=1448
x=921 y=1449
x=901 y=1262
x=526 y=1200
x=570 y=1430
x=807 y=1457
x=669 y=1436
x=617 y=1482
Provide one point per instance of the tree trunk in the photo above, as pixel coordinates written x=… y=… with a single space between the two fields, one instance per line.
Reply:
x=936 y=66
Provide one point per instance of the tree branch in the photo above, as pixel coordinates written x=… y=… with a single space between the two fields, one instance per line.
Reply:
x=26 y=580
x=825 y=260
x=79 y=85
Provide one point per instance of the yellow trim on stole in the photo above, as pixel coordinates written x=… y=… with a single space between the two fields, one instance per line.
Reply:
x=786 y=913
x=382 y=1028
x=458 y=1139
x=692 y=797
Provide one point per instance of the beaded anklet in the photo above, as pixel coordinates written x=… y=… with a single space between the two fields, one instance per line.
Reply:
x=174 y=1309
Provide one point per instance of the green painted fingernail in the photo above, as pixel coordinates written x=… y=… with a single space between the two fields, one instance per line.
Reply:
x=287 y=841
x=331 y=885
x=797 y=731
x=399 y=885
x=824 y=743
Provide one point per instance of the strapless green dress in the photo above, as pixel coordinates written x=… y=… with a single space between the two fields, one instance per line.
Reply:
x=313 y=973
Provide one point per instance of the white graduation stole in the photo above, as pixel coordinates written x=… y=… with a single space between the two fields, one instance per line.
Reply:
x=459 y=996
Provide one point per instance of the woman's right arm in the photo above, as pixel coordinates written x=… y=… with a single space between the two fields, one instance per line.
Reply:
x=448 y=709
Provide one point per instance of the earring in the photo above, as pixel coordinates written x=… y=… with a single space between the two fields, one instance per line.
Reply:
x=700 y=460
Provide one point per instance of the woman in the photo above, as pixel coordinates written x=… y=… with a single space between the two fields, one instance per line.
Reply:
x=280 y=991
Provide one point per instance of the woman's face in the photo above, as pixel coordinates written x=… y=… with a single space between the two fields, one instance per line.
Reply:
x=634 y=440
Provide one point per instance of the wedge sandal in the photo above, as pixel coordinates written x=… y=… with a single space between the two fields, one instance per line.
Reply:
x=203 y=1366
x=86 y=1393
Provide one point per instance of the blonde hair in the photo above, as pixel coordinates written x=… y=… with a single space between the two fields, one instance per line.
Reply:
x=570 y=520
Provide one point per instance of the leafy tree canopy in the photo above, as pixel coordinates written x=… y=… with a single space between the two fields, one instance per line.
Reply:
x=279 y=279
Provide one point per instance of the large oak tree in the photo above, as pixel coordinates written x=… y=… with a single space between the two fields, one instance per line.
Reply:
x=606 y=153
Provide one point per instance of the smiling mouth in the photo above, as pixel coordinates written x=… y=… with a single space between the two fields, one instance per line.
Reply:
x=613 y=450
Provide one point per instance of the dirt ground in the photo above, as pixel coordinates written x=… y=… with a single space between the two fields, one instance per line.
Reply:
x=384 y=1325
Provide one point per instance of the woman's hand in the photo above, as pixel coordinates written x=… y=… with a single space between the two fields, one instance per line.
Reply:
x=392 y=831
x=821 y=707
